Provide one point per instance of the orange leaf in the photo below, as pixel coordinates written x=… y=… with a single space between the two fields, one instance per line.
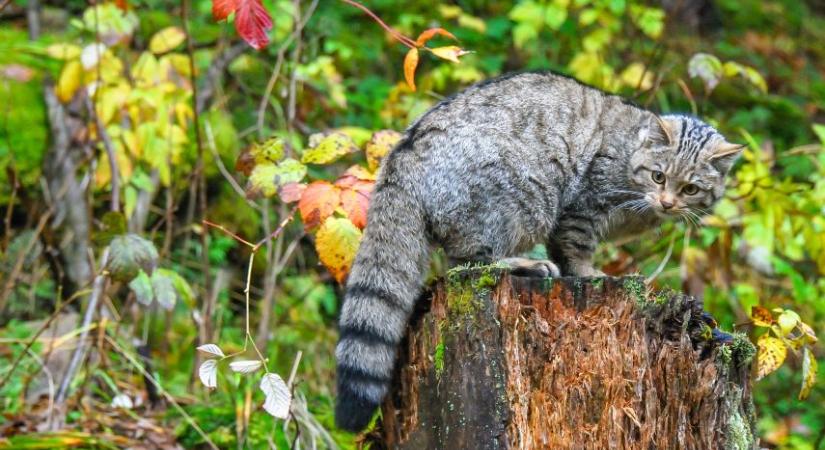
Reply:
x=355 y=202
x=429 y=34
x=221 y=9
x=449 y=52
x=291 y=192
x=318 y=202
x=122 y=5
x=410 y=63
x=761 y=316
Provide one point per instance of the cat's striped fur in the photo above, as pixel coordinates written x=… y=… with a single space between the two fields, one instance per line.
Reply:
x=508 y=163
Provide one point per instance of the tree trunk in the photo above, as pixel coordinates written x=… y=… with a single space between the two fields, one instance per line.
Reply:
x=500 y=361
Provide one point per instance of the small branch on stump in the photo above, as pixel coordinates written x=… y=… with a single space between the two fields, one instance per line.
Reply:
x=501 y=361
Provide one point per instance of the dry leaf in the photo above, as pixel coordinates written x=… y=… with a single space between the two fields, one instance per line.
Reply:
x=426 y=35
x=761 y=316
x=246 y=366
x=278 y=397
x=449 y=52
x=208 y=373
x=410 y=63
x=809 y=370
x=211 y=349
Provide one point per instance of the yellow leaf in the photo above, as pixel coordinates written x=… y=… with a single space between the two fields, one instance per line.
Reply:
x=807 y=332
x=787 y=321
x=69 y=81
x=635 y=76
x=166 y=39
x=449 y=52
x=410 y=63
x=63 y=52
x=770 y=355
x=146 y=71
x=337 y=243
x=379 y=145
x=809 y=370
x=761 y=316
x=329 y=149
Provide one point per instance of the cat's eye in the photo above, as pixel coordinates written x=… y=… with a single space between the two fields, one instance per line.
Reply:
x=690 y=189
x=658 y=177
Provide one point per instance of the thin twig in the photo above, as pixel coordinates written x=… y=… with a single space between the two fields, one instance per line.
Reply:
x=395 y=33
x=664 y=262
x=277 y=231
x=270 y=85
x=98 y=289
x=231 y=234
x=21 y=259
x=36 y=335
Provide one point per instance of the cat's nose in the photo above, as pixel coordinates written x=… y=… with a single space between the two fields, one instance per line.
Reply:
x=666 y=204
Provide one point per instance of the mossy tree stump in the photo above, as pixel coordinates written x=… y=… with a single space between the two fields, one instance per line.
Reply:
x=499 y=361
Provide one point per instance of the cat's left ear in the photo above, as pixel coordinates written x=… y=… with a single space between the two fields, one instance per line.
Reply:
x=725 y=154
x=658 y=131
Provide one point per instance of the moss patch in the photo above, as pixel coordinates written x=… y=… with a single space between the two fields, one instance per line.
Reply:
x=636 y=288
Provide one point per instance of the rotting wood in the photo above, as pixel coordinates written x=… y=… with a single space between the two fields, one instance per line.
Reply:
x=498 y=361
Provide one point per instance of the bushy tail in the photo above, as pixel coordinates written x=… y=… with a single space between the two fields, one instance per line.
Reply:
x=383 y=285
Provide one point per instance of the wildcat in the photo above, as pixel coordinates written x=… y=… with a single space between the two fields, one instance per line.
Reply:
x=487 y=174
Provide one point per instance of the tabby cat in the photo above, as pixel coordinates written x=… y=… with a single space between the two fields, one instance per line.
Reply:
x=489 y=173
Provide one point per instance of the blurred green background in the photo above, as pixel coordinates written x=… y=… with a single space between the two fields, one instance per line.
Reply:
x=755 y=69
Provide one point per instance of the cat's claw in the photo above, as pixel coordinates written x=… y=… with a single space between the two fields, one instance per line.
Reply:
x=531 y=267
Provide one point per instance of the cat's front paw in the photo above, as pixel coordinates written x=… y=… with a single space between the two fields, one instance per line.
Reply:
x=587 y=271
x=531 y=267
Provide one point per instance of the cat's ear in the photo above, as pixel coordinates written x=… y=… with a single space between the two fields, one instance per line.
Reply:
x=658 y=132
x=725 y=154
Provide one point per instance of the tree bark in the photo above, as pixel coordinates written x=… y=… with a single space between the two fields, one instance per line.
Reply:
x=499 y=361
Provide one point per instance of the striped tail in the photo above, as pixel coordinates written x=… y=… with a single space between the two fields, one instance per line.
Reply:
x=382 y=288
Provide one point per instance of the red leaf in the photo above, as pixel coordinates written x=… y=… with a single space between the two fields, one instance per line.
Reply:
x=253 y=22
x=410 y=63
x=221 y=9
x=318 y=202
x=428 y=34
x=291 y=192
x=122 y=5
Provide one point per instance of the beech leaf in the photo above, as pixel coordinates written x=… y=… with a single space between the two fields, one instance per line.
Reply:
x=410 y=63
x=211 y=349
x=208 y=373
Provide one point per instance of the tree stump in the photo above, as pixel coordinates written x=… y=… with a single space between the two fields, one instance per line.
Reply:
x=498 y=361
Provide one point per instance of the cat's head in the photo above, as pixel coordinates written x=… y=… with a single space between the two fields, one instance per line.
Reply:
x=681 y=166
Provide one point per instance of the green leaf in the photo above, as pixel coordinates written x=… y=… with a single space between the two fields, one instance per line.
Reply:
x=141 y=285
x=130 y=254
x=182 y=287
x=330 y=148
x=267 y=178
x=555 y=15
x=732 y=69
x=164 y=288
x=706 y=67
